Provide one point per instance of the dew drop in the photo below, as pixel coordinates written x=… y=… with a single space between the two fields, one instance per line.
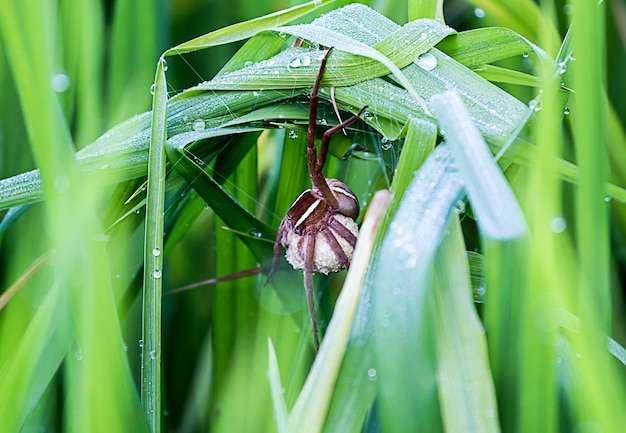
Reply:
x=60 y=82
x=164 y=63
x=79 y=354
x=321 y=56
x=152 y=89
x=198 y=125
x=152 y=354
x=293 y=134
x=479 y=13
x=568 y=9
x=141 y=343
x=558 y=224
x=125 y=347
x=426 y=61
x=306 y=60
x=255 y=233
x=157 y=274
x=295 y=62
x=566 y=111
x=248 y=63
x=525 y=55
x=385 y=143
x=607 y=198
x=536 y=104
x=371 y=373
x=156 y=252
x=459 y=207
x=276 y=72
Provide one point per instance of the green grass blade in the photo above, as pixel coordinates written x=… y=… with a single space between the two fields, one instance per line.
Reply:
x=151 y=357
x=247 y=29
x=280 y=408
x=356 y=384
x=504 y=238
x=592 y=228
x=477 y=47
x=508 y=76
x=466 y=389
x=404 y=346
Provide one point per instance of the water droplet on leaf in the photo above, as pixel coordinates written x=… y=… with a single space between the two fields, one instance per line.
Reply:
x=479 y=13
x=426 y=61
x=60 y=82
x=198 y=125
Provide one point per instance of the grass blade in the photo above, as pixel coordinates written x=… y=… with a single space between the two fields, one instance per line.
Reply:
x=404 y=346
x=151 y=358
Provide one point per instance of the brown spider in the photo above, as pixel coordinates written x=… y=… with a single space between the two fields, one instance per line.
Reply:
x=319 y=232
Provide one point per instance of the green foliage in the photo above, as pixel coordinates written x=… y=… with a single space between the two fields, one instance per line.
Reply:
x=511 y=192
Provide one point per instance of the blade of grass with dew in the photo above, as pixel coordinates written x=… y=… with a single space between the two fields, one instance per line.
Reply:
x=504 y=236
x=151 y=357
x=122 y=153
x=466 y=390
x=404 y=346
x=355 y=388
x=309 y=412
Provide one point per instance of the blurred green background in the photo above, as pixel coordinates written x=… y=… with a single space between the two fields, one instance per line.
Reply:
x=71 y=320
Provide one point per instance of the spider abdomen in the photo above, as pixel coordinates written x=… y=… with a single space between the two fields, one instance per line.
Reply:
x=327 y=257
x=347 y=203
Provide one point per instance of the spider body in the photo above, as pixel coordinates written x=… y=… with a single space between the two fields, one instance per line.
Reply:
x=319 y=231
x=333 y=231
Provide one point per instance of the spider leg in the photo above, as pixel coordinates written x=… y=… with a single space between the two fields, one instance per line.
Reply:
x=336 y=247
x=308 y=283
x=317 y=178
x=342 y=231
x=321 y=159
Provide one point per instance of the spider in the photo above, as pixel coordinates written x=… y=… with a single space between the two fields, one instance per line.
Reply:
x=319 y=231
